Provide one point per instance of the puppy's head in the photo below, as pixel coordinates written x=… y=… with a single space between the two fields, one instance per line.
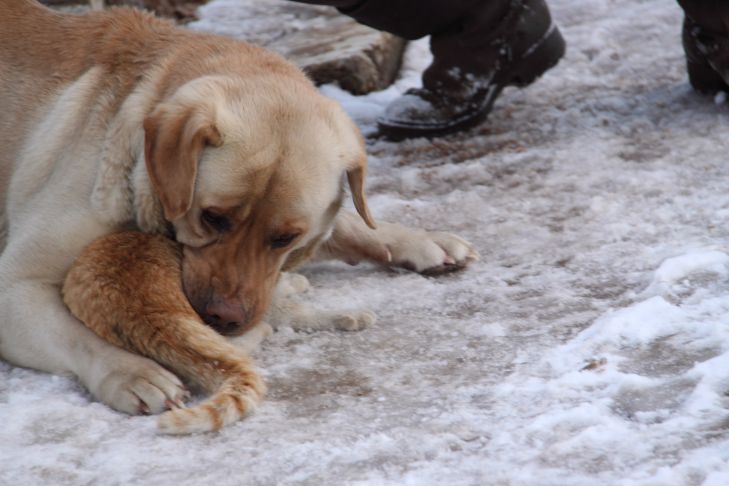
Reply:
x=249 y=173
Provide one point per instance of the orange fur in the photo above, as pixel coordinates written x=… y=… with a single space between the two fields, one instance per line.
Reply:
x=126 y=287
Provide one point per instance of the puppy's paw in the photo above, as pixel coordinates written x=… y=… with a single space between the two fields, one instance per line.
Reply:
x=141 y=386
x=251 y=340
x=430 y=253
x=353 y=321
x=457 y=253
x=292 y=283
x=298 y=283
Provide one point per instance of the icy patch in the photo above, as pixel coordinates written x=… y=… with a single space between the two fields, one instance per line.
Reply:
x=677 y=278
x=364 y=110
x=611 y=400
x=675 y=269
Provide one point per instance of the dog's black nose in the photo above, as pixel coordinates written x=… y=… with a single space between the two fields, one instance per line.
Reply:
x=226 y=318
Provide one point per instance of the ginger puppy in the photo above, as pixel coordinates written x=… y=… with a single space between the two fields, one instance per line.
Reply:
x=127 y=288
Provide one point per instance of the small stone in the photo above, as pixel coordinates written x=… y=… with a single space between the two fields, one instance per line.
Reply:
x=594 y=364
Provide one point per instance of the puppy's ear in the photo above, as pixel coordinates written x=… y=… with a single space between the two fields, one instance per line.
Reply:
x=174 y=139
x=355 y=177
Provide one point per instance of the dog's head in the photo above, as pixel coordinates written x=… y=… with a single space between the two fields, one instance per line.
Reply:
x=250 y=174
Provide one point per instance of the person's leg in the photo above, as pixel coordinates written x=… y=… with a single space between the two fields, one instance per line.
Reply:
x=479 y=47
x=410 y=19
x=705 y=39
x=332 y=3
x=712 y=15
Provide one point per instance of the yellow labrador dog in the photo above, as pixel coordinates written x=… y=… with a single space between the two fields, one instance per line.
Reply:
x=114 y=120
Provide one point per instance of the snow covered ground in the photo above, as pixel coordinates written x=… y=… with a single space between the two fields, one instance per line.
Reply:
x=590 y=345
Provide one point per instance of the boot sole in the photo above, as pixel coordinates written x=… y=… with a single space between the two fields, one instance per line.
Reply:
x=541 y=57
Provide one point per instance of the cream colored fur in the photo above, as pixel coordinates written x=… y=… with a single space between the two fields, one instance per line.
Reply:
x=75 y=93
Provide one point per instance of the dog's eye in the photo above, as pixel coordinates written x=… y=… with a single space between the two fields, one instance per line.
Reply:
x=216 y=221
x=282 y=241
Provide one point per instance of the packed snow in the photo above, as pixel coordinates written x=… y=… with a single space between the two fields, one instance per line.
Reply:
x=589 y=345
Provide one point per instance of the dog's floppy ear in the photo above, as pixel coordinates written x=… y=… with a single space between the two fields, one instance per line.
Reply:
x=355 y=177
x=173 y=142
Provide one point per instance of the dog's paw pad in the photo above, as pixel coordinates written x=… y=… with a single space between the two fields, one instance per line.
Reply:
x=266 y=329
x=354 y=321
x=292 y=283
x=298 y=282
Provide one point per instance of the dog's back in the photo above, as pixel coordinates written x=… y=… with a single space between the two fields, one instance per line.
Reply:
x=54 y=69
x=42 y=51
x=94 y=77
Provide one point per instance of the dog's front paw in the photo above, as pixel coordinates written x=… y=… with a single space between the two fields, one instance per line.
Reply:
x=140 y=386
x=353 y=321
x=430 y=252
x=291 y=284
x=395 y=245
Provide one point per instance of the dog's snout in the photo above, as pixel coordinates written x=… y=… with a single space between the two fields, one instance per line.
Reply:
x=226 y=318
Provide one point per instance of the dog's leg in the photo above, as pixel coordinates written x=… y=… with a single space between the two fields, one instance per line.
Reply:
x=39 y=332
x=300 y=315
x=288 y=310
x=394 y=245
x=290 y=283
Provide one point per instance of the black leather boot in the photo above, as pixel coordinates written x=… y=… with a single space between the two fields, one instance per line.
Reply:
x=472 y=65
x=479 y=47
